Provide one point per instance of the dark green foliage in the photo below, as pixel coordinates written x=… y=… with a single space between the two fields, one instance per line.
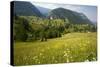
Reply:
x=20 y=28
x=35 y=28
x=43 y=36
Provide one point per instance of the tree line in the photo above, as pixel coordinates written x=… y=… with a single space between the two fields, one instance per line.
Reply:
x=35 y=28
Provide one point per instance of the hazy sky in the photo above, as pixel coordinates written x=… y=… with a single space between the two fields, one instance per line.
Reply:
x=89 y=11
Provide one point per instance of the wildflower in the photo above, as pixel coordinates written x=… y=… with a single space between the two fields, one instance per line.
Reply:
x=34 y=57
x=71 y=57
x=68 y=51
x=87 y=60
x=39 y=62
x=67 y=60
x=40 y=54
x=65 y=54
x=94 y=58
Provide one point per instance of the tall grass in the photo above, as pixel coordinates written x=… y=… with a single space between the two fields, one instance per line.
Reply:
x=72 y=47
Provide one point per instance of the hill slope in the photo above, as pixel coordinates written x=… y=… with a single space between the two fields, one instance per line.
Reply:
x=72 y=16
x=22 y=8
x=72 y=47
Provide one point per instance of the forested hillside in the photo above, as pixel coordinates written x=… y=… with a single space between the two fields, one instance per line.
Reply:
x=35 y=28
x=72 y=16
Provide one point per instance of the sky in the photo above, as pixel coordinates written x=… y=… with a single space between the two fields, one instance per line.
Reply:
x=89 y=11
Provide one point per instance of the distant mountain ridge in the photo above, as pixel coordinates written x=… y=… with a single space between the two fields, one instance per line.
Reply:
x=23 y=8
x=72 y=16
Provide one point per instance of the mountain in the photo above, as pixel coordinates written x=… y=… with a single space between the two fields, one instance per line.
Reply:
x=43 y=10
x=72 y=16
x=22 y=8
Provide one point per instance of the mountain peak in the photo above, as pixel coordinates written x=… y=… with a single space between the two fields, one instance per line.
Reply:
x=72 y=16
x=22 y=8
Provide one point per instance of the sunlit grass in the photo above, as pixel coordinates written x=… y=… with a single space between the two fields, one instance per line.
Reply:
x=72 y=47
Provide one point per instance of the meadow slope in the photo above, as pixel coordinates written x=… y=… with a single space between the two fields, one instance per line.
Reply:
x=72 y=47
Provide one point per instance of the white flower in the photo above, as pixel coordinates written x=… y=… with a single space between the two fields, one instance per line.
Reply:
x=40 y=54
x=87 y=60
x=34 y=57
x=65 y=54
x=94 y=58
x=39 y=62
x=71 y=57
x=67 y=60
x=68 y=51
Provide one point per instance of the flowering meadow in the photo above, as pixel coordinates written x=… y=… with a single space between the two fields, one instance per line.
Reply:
x=71 y=47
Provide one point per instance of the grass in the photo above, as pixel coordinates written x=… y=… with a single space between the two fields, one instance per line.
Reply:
x=72 y=47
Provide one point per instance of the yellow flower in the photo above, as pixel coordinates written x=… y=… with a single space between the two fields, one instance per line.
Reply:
x=39 y=62
x=65 y=54
x=67 y=60
x=41 y=54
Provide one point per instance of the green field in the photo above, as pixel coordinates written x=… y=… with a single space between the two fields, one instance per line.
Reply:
x=72 y=47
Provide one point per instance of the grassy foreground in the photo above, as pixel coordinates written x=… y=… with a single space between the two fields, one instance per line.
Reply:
x=72 y=47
